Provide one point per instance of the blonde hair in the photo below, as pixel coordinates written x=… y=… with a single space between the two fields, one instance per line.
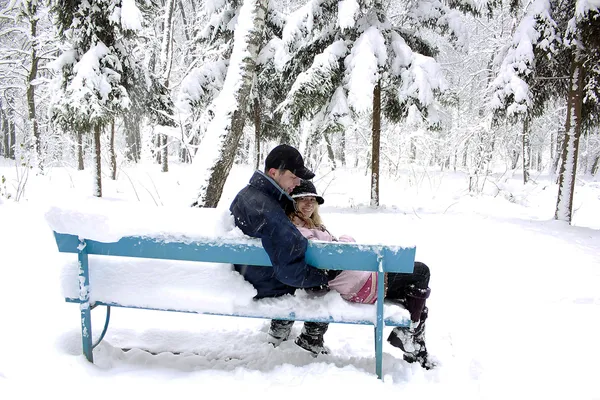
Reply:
x=314 y=221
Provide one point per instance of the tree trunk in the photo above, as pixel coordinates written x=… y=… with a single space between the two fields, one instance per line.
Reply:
x=80 y=165
x=111 y=149
x=595 y=165
x=32 y=75
x=226 y=138
x=12 y=140
x=558 y=145
x=375 y=149
x=157 y=148
x=526 y=150
x=330 y=152
x=552 y=145
x=97 y=162
x=164 y=153
x=256 y=134
x=343 y=148
x=5 y=136
x=166 y=56
x=166 y=46
x=185 y=21
x=568 y=167
x=132 y=137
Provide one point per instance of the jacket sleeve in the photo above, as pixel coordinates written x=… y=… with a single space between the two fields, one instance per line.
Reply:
x=286 y=248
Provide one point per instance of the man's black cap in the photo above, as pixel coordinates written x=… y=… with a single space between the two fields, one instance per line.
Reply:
x=287 y=157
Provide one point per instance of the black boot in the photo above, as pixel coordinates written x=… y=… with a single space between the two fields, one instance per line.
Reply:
x=311 y=338
x=415 y=301
x=279 y=331
x=412 y=342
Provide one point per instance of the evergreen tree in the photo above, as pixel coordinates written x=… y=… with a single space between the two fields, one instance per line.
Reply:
x=89 y=89
x=228 y=111
x=555 y=39
x=348 y=59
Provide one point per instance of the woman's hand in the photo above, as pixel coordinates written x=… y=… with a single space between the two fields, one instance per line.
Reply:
x=346 y=238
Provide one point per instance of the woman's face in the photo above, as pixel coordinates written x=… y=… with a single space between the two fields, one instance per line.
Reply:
x=306 y=205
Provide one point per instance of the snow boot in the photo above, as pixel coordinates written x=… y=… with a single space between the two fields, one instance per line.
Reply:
x=311 y=338
x=415 y=301
x=412 y=342
x=279 y=331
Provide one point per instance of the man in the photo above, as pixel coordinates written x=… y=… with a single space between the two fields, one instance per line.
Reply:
x=259 y=210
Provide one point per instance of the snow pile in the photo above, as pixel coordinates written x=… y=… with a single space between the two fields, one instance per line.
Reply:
x=108 y=221
x=203 y=287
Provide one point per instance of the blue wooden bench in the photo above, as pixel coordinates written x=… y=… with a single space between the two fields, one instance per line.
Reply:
x=337 y=256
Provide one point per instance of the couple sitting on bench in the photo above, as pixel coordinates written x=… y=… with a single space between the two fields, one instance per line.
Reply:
x=280 y=207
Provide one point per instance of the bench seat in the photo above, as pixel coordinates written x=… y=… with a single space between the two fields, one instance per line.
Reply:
x=206 y=288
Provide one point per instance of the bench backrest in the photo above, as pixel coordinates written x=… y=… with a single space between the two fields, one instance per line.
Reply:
x=323 y=255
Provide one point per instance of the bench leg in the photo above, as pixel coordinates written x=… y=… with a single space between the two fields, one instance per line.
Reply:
x=379 y=325
x=84 y=305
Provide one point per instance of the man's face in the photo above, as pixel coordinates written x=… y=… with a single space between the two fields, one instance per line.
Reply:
x=286 y=180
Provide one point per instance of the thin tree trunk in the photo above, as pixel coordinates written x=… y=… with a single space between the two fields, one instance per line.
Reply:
x=165 y=153
x=32 y=75
x=5 y=134
x=560 y=137
x=330 y=152
x=157 y=148
x=595 y=165
x=526 y=150
x=80 y=165
x=111 y=149
x=552 y=145
x=12 y=140
x=256 y=134
x=165 y=50
x=243 y=65
x=343 y=148
x=166 y=55
x=185 y=21
x=568 y=168
x=375 y=149
x=97 y=162
x=132 y=137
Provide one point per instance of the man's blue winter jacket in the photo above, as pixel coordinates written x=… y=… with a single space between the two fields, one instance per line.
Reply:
x=259 y=211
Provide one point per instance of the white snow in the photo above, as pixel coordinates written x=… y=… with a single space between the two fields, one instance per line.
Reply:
x=536 y=28
x=347 y=10
x=368 y=54
x=514 y=309
x=131 y=16
x=582 y=7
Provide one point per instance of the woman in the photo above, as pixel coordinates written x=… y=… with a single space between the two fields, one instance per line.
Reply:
x=411 y=290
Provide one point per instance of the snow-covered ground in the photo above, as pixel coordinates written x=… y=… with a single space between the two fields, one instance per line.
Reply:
x=514 y=310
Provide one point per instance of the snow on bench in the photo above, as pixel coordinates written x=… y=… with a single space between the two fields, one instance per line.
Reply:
x=183 y=263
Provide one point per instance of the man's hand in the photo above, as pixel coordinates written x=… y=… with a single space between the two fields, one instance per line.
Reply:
x=317 y=291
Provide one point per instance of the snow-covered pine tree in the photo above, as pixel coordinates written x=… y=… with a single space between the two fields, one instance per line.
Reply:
x=347 y=59
x=227 y=112
x=149 y=97
x=555 y=39
x=204 y=79
x=522 y=86
x=89 y=89
x=582 y=41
